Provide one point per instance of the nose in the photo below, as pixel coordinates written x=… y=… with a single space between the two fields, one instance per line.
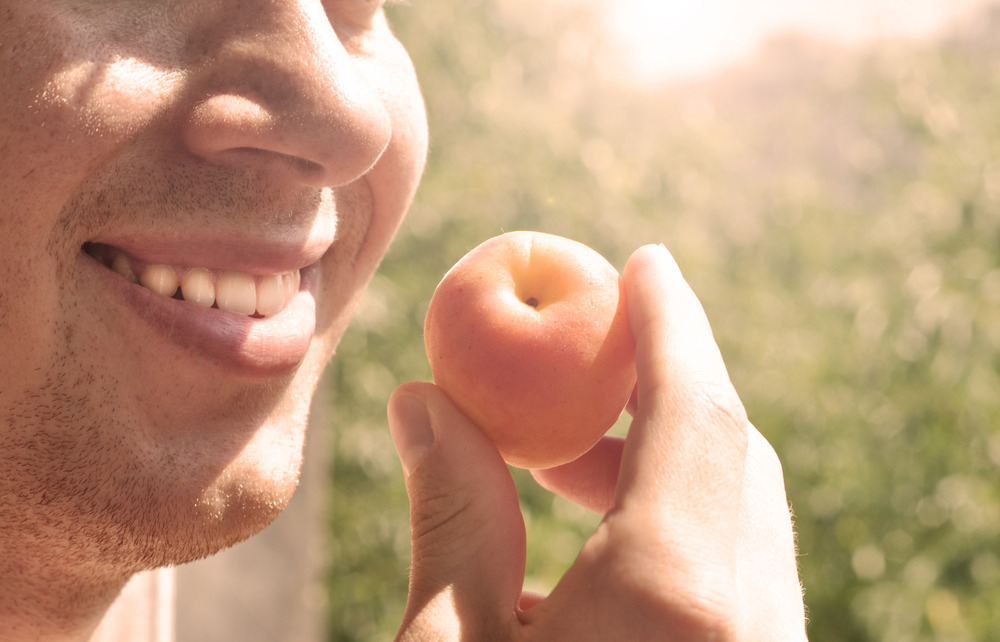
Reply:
x=275 y=87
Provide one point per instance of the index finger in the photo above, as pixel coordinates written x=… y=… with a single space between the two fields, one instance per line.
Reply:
x=684 y=456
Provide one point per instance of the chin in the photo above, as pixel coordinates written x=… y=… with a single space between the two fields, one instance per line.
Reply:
x=242 y=501
x=243 y=482
x=223 y=495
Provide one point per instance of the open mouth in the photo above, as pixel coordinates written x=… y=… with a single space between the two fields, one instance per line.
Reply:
x=250 y=307
x=230 y=290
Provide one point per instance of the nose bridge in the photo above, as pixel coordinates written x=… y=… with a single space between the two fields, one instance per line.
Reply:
x=275 y=77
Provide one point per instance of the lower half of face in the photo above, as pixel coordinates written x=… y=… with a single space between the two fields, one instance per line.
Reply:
x=142 y=421
x=125 y=483
x=154 y=430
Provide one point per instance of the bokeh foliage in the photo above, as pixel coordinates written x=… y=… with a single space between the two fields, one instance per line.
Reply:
x=838 y=213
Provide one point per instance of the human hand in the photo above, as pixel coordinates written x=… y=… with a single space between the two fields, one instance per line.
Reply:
x=696 y=541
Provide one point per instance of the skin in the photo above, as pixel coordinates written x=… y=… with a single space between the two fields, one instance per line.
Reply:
x=293 y=133
x=265 y=136
x=696 y=541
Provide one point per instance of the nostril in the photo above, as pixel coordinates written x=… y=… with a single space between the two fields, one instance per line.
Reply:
x=287 y=87
x=257 y=156
x=319 y=145
x=306 y=166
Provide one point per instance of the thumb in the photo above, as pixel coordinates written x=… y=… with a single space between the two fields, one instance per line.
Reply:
x=468 y=541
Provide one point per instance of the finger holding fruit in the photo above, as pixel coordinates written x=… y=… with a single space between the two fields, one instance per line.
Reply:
x=696 y=541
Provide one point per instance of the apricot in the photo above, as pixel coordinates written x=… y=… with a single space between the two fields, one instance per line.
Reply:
x=527 y=334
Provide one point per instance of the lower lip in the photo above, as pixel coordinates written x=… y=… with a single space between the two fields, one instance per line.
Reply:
x=269 y=346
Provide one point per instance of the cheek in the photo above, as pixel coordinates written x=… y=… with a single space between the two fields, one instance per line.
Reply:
x=394 y=178
x=369 y=211
x=89 y=110
x=405 y=104
x=70 y=93
x=63 y=111
x=67 y=106
x=109 y=100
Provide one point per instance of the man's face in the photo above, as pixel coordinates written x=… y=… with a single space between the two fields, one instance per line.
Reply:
x=240 y=147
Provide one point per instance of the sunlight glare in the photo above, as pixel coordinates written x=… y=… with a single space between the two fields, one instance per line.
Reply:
x=682 y=38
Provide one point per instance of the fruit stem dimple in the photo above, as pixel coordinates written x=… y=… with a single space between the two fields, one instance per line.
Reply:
x=532 y=301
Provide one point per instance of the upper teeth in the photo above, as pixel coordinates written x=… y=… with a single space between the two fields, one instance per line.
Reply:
x=228 y=290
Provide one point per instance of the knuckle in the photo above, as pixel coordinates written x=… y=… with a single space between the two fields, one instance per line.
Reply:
x=440 y=517
x=719 y=406
x=722 y=401
x=764 y=463
x=765 y=454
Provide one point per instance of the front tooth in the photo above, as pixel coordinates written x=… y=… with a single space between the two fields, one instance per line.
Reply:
x=197 y=286
x=160 y=279
x=270 y=295
x=123 y=266
x=236 y=292
x=291 y=281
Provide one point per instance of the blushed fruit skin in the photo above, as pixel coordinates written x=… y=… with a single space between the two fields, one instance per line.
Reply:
x=528 y=336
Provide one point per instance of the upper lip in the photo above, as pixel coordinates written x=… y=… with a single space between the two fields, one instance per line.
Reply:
x=243 y=253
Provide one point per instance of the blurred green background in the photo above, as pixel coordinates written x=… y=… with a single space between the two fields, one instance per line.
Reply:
x=838 y=213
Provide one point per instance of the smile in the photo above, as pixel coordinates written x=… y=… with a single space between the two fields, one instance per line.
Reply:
x=228 y=290
x=246 y=309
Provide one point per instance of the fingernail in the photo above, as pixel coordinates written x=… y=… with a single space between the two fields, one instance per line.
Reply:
x=410 y=426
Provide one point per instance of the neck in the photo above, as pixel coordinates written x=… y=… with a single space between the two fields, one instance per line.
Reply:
x=42 y=600
x=64 y=618
x=45 y=598
x=144 y=612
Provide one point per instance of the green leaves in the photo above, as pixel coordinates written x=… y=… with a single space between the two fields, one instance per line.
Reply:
x=838 y=213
